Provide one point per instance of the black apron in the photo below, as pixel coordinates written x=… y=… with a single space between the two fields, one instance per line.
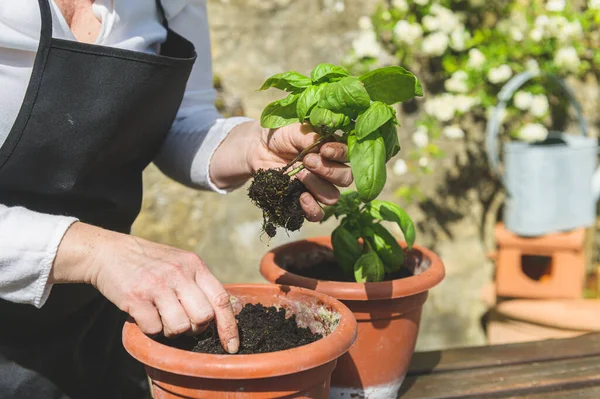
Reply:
x=92 y=119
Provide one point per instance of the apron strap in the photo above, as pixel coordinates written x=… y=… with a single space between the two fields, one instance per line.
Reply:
x=161 y=11
x=46 y=31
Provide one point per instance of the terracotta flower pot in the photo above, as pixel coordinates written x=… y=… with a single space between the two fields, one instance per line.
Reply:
x=302 y=372
x=388 y=315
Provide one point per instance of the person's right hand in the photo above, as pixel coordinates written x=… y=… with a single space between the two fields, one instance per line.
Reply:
x=162 y=288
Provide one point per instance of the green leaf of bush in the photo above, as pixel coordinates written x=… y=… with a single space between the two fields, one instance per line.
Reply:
x=325 y=119
x=387 y=248
x=391 y=84
x=367 y=160
x=346 y=249
x=372 y=119
x=280 y=113
x=327 y=73
x=390 y=136
x=384 y=210
x=288 y=81
x=369 y=268
x=307 y=100
x=347 y=94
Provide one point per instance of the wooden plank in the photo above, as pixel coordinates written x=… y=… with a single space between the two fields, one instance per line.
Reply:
x=503 y=355
x=581 y=393
x=519 y=379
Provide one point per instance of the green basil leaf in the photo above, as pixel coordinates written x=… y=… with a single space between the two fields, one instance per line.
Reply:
x=280 y=113
x=346 y=249
x=322 y=118
x=348 y=203
x=288 y=81
x=391 y=84
x=369 y=268
x=327 y=73
x=307 y=100
x=384 y=210
x=388 y=249
x=367 y=160
x=390 y=136
x=372 y=119
x=347 y=95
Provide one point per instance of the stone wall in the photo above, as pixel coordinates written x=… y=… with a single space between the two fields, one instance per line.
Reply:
x=253 y=39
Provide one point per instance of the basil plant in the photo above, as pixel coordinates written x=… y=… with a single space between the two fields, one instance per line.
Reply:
x=356 y=110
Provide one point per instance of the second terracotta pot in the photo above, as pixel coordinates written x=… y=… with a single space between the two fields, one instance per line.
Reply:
x=303 y=372
x=388 y=315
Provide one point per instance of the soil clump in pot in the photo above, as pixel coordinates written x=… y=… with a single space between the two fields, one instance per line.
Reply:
x=262 y=330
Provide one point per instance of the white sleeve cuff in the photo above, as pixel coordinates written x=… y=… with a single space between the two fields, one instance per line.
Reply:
x=30 y=242
x=200 y=171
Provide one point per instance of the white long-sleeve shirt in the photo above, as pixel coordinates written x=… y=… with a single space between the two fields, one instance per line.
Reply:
x=29 y=240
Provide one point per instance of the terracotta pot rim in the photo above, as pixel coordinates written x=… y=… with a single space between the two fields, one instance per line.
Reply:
x=391 y=289
x=327 y=349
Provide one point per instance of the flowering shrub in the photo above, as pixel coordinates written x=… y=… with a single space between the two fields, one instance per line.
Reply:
x=465 y=50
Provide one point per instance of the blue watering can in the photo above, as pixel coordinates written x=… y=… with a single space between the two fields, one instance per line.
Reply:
x=550 y=187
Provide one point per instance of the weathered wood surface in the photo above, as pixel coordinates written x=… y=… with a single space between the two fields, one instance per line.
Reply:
x=568 y=368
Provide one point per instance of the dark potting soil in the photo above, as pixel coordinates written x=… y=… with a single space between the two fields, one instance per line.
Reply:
x=331 y=271
x=262 y=329
x=278 y=196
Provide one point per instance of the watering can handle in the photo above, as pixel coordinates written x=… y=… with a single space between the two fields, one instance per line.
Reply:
x=506 y=93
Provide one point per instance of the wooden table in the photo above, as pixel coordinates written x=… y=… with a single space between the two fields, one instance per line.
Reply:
x=551 y=369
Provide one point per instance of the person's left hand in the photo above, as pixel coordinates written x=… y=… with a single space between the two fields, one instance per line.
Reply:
x=275 y=148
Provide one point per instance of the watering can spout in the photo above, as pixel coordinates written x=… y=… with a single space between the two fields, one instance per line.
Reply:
x=596 y=184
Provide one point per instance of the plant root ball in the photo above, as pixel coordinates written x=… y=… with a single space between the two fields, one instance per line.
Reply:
x=278 y=196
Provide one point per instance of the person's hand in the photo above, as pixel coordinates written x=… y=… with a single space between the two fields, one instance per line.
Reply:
x=275 y=148
x=163 y=288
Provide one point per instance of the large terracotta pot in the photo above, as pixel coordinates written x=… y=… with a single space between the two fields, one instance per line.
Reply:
x=388 y=315
x=302 y=372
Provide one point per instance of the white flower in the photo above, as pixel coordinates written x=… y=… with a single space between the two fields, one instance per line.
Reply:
x=448 y=21
x=420 y=137
x=523 y=100
x=400 y=168
x=555 y=5
x=457 y=82
x=476 y=59
x=458 y=38
x=567 y=58
x=532 y=66
x=464 y=103
x=431 y=23
x=594 y=4
x=401 y=5
x=407 y=32
x=435 y=44
x=499 y=74
x=533 y=132
x=441 y=107
x=364 y=23
x=570 y=31
x=536 y=35
x=542 y=21
x=539 y=105
x=366 y=45
x=516 y=33
x=453 y=132
x=421 y=2
x=556 y=25
x=339 y=6
x=423 y=162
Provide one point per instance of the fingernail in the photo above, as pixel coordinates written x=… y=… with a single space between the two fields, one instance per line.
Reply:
x=304 y=199
x=328 y=152
x=233 y=345
x=310 y=162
